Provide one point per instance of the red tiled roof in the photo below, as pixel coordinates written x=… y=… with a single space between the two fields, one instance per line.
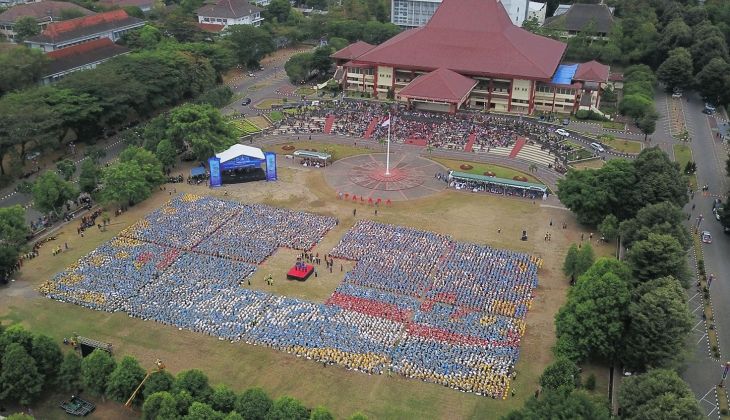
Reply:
x=592 y=71
x=125 y=3
x=85 y=26
x=229 y=9
x=441 y=85
x=616 y=77
x=42 y=11
x=474 y=37
x=353 y=50
x=211 y=27
x=82 y=54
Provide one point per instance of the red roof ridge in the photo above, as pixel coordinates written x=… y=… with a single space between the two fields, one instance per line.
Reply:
x=431 y=85
x=55 y=29
x=80 y=49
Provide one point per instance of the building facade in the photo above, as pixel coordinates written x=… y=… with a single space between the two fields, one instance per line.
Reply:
x=230 y=12
x=112 y=25
x=469 y=55
x=415 y=13
x=45 y=13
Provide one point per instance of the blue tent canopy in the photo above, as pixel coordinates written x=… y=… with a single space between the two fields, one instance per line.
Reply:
x=564 y=74
x=197 y=171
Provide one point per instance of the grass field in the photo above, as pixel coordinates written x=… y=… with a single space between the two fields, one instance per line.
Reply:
x=306 y=91
x=682 y=155
x=589 y=164
x=338 y=151
x=268 y=102
x=481 y=168
x=621 y=145
x=276 y=116
x=245 y=127
x=467 y=217
x=259 y=122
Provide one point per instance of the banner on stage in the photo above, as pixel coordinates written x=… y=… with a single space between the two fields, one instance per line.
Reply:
x=215 y=171
x=270 y=166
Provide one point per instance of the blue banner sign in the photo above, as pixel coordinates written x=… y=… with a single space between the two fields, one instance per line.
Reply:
x=240 y=162
x=270 y=166
x=215 y=171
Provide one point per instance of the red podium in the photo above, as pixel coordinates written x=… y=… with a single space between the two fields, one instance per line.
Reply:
x=300 y=272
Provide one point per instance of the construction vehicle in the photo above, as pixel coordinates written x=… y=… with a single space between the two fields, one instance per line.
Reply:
x=159 y=367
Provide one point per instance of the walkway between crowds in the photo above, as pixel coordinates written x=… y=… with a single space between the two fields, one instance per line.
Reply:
x=518 y=146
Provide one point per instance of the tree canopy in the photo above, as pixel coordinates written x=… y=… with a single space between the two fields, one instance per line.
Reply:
x=658 y=255
x=95 y=370
x=658 y=394
x=13 y=233
x=562 y=405
x=562 y=373
x=20 y=379
x=663 y=217
x=50 y=192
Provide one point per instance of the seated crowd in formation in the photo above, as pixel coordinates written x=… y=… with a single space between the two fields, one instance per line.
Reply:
x=417 y=303
x=353 y=118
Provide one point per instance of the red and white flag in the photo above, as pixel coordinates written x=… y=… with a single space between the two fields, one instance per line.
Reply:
x=386 y=122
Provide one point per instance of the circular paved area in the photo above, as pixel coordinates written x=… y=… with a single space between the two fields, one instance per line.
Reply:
x=410 y=176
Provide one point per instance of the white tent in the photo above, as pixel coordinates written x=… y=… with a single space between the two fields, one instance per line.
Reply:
x=240 y=149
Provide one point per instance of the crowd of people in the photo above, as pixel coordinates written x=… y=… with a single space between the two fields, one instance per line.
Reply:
x=417 y=303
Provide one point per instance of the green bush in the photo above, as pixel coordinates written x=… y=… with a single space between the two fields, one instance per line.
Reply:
x=591 y=382
x=584 y=114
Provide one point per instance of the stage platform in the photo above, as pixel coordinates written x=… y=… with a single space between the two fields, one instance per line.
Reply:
x=298 y=274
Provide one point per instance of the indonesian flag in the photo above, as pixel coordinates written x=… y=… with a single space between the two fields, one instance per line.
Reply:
x=386 y=123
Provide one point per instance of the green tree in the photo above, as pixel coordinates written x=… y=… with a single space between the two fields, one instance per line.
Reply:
x=16 y=334
x=664 y=217
x=658 y=179
x=676 y=70
x=69 y=373
x=47 y=356
x=125 y=183
x=562 y=405
x=675 y=35
x=26 y=27
x=89 y=176
x=358 y=416
x=298 y=67
x=13 y=233
x=66 y=168
x=658 y=394
x=200 y=128
x=592 y=321
x=166 y=153
x=233 y=416
x=95 y=371
x=705 y=49
x=253 y=404
x=158 y=382
x=195 y=382
x=50 y=192
x=321 y=61
x=183 y=400
x=658 y=255
x=562 y=373
x=223 y=399
x=712 y=80
x=20 y=416
x=19 y=377
x=321 y=413
x=249 y=43
x=585 y=260
x=287 y=408
x=608 y=228
x=647 y=123
x=160 y=405
x=635 y=106
x=279 y=10
x=202 y=411
x=658 y=327
x=21 y=68
x=337 y=43
x=571 y=258
x=124 y=379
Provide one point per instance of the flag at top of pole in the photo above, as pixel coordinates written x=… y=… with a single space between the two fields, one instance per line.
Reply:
x=386 y=123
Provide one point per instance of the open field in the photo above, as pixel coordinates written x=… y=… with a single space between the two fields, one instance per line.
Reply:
x=481 y=168
x=621 y=145
x=466 y=217
x=589 y=164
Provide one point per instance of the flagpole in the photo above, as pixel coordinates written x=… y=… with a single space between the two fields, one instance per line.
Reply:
x=387 y=153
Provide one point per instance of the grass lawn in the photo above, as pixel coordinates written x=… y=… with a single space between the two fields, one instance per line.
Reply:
x=589 y=164
x=481 y=168
x=259 y=122
x=245 y=127
x=268 y=102
x=613 y=125
x=276 y=116
x=622 y=145
x=338 y=151
x=682 y=155
x=467 y=217
x=579 y=154
x=306 y=91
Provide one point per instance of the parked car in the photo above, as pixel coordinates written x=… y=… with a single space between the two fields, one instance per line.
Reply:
x=246 y=101
x=251 y=75
x=677 y=95
x=562 y=132
x=566 y=121
x=706 y=237
x=597 y=147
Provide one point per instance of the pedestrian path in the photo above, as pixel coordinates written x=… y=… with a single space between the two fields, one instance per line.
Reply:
x=371 y=127
x=517 y=147
x=328 y=122
x=470 y=142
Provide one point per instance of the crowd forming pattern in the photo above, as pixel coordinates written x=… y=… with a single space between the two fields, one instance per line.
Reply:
x=416 y=303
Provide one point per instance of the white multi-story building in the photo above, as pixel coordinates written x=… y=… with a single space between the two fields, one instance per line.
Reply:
x=415 y=13
x=230 y=12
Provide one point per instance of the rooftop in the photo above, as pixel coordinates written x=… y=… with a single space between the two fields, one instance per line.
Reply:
x=83 y=54
x=474 y=37
x=228 y=9
x=441 y=85
x=464 y=176
x=353 y=50
x=240 y=150
x=578 y=16
x=592 y=71
x=142 y=4
x=211 y=27
x=85 y=26
x=42 y=11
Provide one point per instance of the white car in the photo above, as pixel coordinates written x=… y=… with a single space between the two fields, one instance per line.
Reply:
x=562 y=132
x=597 y=147
x=706 y=237
x=677 y=95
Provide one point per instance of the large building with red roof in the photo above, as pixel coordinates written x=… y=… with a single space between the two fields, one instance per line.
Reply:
x=471 y=55
x=80 y=57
